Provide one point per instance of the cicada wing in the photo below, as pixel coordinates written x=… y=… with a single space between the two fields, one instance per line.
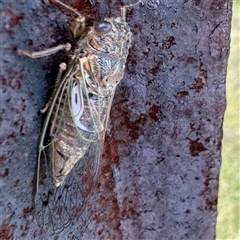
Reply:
x=77 y=143
x=57 y=207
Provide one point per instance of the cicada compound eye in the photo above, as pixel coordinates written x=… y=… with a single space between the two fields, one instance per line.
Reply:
x=103 y=27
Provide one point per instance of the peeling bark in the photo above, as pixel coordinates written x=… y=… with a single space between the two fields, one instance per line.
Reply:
x=160 y=168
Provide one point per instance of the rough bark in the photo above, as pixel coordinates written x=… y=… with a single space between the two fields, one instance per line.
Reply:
x=160 y=168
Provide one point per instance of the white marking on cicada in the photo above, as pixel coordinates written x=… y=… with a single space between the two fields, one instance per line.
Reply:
x=77 y=105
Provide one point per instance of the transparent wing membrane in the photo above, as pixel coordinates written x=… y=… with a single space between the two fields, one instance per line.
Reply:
x=56 y=207
x=69 y=157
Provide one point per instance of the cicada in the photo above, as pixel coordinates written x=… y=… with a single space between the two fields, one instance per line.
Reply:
x=72 y=137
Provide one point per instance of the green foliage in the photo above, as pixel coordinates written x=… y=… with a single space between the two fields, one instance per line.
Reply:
x=228 y=224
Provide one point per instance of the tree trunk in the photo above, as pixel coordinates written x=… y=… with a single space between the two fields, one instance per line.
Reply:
x=160 y=168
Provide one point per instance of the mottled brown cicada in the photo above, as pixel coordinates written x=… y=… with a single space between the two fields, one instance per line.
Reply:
x=77 y=116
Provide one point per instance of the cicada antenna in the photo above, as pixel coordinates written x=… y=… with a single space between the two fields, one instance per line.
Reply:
x=69 y=8
x=123 y=9
x=78 y=26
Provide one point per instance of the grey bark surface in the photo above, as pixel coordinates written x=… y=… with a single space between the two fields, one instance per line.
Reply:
x=160 y=168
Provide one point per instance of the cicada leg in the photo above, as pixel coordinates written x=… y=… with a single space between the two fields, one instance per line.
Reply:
x=45 y=52
x=123 y=9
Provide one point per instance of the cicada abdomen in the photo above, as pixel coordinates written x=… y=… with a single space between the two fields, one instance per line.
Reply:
x=72 y=138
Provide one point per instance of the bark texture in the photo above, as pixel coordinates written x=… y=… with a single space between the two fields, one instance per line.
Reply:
x=160 y=168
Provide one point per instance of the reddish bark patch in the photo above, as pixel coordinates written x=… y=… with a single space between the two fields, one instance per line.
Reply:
x=154 y=71
x=154 y=112
x=168 y=43
x=108 y=212
x=29 y=43
x=24 y=231
x=196 y=147
x=131 y=129
x=5 y=174
x=26 y=211
x=136 y=128
x=10 y=20
x=211 y=204
x=14 y=79
x=200 y=82
x=11 y=135
x=189 y=60
x=183 y=93
x=111 y=153
x=82 y=6
x=129 y=209
x=6 y=230
x=198 y=85
x=16 y=19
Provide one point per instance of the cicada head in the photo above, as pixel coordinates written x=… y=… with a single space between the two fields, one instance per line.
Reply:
x=108 y=43
x=111 y=37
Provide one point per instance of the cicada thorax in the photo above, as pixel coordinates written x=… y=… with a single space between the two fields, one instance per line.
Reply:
x=108 y=52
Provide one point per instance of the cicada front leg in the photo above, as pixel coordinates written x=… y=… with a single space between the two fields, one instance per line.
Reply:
x=124 y=8
x=45 y=52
